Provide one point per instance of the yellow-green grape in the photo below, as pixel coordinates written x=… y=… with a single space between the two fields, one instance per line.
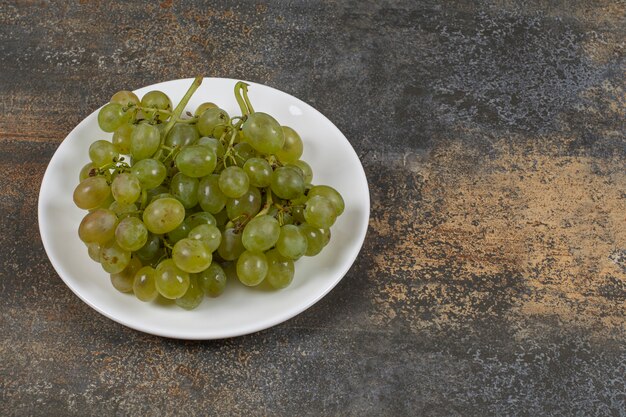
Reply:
x=292 y=147
x=210 y=196
x=185 y=189
x=98 y=227
x=191 y=255
x=150 y=172
x=163 y=215
x=113 y=258
x=291 y=243
x=181 y=134
x=212 y=122
x=233 y=182
x=93 y=249
x=86 y=170
x=125 y=98
x=123 y=281
x=259 y=171
x=209 y=234
x=331 y=194
x=154 y=101
x=201 y=217
x=306 y=170
x=193 y=296
x=314 y=238
x=131 y=234
x=144 y=285
x=320 y=212
x=251 y=268
x=244 y=207
x=126 y=188
x=91 y=193
x=230 y=247
x=112 y=116
x=144 y=141
x=212 y=280
x=171 y=281
x=212 y=143
x=102 y=152
x=326 y=234
x=263 y=133
x=287 y=183
x=151 y=248
x=179 y=233
x=121 y=138
x=204 y=106
x=261 y=233
x=280 y=270
x=196 y=161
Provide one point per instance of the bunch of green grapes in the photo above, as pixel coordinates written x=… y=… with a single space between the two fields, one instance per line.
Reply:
x=178 y=205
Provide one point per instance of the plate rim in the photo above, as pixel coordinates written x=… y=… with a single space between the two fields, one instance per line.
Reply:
x=229 y=333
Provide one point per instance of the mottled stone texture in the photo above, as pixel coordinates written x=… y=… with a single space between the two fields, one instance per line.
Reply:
x=493 y=276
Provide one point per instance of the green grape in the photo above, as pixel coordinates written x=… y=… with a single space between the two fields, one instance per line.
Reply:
x=280 y=270
x=263 y=133
x=221 y=218
x=150 y=172
x=292 y=148
x=291 y=243
x=113 y=258
x=329 y=193
x=181 y=134
x=326 y=234
x=287 y=183
x=314 y=238
x=244 y=207
x=212 y=280
x=201 y=217
x=121 y=138
x=156 y=100
x=91 y=193
x=153 y=192
x=93 y=249
x=193 y=296
x=144 y=141
x=204 y=106
x=212 y=122
x=210 y=196
x=112 y=116
x=125 y=98
x=191 y=255
x=98 y=227
x=171 y=281
x=259 y=171
x=243 y=152
x=157 y=258
x=196 y=161
x=163 y=215
x=179 y=233
x=233 y=182
x=86 y=170
x=298 y=214
x=261 y=233
x=144 y=284
x=150 y=249
x=251 y=268
x=126 y=188
x=185 y=189
x=209 y=234
x=106 y=203
x=230 y=247
x=306 y=170
x=123 y=281
x=131 y=234
x=320 y=212
x=212 y=143
x=102 y=152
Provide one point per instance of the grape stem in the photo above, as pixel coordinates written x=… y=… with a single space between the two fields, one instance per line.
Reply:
x=268 y=204
x=241 y=94
x=181 y=105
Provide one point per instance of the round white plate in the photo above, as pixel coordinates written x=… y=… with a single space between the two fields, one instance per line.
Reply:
x=240 y=310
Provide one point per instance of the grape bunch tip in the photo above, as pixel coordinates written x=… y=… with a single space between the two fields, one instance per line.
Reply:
x=178 y=206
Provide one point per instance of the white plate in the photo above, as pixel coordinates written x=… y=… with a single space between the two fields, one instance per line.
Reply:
x=240 y=310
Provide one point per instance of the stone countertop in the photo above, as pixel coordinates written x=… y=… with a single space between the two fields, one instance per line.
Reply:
x=493 y=277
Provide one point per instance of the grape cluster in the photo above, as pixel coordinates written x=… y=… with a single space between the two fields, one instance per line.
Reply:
x=177 y=206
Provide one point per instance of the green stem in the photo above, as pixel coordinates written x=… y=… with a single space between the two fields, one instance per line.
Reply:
x=240 y=100
x=245 y=97
x=181 y=105
x=268 y=204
